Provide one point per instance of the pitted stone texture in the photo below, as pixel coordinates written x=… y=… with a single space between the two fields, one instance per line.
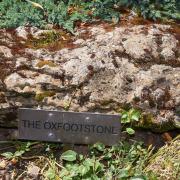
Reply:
x=140 y=46
x=22 y=32
x=5 y=51
x=129 y=66
x=112 y=85
x=169 y=46
x=28 y=81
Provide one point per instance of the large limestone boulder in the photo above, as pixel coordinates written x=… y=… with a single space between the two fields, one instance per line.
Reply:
x=128 y=66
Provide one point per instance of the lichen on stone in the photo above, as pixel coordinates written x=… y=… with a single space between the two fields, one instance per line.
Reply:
x=42 y=63
x=41 y=95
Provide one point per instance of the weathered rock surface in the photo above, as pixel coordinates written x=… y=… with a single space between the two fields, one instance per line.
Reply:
x=128 y=66
x=5 y=51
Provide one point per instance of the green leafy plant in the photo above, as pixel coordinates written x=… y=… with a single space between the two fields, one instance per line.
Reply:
x=128 y=117
x=69 y=156
x=166 y=9
x=122 y=161
x=10 y=155
x=50 y=174
x=130 y=131
x=24 y=147
x=66 y=13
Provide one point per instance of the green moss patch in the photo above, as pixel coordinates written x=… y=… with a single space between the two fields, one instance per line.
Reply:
x=42 y=95
x=53 y=40
x=42 y=63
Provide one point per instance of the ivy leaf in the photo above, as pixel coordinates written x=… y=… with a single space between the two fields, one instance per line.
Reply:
x=69 y=155
x=98 y=166
x=99 y=146
x=136 y=115
x=64 y=173
x=88 y=162
x=94 y=177
x=123 y=173
x=83 y=169
x=18 y=153
x=50 y=174
x=7 y=155
x=108 y=155
x=130 y=131
x=81 y=157
x=124 y=115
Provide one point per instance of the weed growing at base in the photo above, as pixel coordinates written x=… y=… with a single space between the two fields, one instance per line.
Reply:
x=122 y=161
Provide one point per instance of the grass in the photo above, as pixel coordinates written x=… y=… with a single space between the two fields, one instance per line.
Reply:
x=166 y=162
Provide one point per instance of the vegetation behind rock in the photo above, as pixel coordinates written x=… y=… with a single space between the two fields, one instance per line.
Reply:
x=40 y=13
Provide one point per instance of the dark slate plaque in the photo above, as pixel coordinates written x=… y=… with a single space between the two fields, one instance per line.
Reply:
x=68 y=127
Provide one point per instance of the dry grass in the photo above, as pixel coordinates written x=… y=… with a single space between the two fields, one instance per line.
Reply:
x=166 y=162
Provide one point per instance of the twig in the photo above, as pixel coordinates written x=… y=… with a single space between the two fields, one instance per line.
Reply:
x=59 y=165
x=32 y=157
x=42 y=170
x=20 y=175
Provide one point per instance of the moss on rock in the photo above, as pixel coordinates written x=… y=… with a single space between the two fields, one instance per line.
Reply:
x=150 y=121
x=42 y=63
x=52 y=40
x=40 y=96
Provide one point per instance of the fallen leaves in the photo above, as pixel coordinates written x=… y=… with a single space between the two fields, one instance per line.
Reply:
x=33 y=170
x=3 y=163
